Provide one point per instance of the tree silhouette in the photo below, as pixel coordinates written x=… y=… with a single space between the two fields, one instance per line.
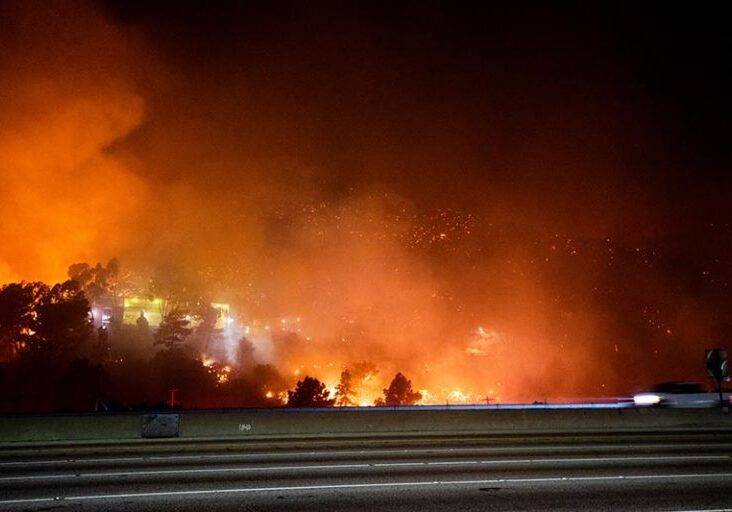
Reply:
x=18 y=318
x=399 y=392
x=309 y=392
x=173 y=330
x=63 y=323
x=41 y=330
x=344 y=390
x=245 y=392
x=174 y=368
x=269 y=378
x=95 y=281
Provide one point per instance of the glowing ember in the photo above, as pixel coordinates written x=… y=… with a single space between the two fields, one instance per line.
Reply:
x=220 y=371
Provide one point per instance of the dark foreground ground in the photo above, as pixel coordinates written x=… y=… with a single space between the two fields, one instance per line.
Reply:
x=644 y=473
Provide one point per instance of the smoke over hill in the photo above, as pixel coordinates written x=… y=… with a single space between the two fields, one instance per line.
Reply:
x=493 y=210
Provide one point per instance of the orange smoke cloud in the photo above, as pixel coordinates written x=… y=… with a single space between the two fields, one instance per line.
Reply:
x=399 y=201
x=67 y=100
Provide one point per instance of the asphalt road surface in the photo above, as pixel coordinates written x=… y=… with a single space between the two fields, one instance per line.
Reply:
x=644 y=474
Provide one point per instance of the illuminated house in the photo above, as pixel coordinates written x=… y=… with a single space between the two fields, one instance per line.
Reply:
x=106 y=311
x=224 y=319
x=153 y=310
x=126 y=311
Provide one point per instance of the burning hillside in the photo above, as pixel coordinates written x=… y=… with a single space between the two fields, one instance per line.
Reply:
x=366 y=196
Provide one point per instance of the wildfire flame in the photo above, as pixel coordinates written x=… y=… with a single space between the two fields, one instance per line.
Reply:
x=221 y=371
x=467 y=285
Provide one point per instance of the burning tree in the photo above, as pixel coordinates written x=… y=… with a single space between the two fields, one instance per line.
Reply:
x=344 y=390
x=95 y=281
x=309 y=392
x=42 y=329
x=17 y=316
x=34 y=317
x=399 y=392
x=63 y=318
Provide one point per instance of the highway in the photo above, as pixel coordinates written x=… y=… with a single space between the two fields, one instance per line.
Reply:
x=669 y=472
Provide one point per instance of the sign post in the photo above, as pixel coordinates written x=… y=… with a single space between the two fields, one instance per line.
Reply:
x=717 y=368
x=172 y=402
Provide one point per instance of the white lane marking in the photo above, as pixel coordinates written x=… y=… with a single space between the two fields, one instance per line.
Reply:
x=160 y=472
x=472 y=450
x=71 y=461
x=455 y=463
x=180 y=472
x=704 y=510
x=396 y=464
x=519 y=481
x=640 y=458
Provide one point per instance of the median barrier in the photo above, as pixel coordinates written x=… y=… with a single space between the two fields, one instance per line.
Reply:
x=390 y=421
x=82 y=427
x=242 y=424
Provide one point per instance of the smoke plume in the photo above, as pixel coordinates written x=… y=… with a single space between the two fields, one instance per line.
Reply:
x=493 y=225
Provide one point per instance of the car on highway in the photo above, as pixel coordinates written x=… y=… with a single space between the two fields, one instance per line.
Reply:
x=679 y=394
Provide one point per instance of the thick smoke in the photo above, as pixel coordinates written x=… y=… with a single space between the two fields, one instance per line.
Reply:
x=481 y=223
x=67 y=94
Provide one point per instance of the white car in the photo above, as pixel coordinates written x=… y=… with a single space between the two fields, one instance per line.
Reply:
x=679 y=394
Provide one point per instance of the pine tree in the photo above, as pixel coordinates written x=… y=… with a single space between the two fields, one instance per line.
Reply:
x=309 y=392
x=344 y=390
x=173 y=330
x=400 y=392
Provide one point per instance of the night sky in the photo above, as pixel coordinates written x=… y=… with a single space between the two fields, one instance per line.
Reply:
x=527 y=197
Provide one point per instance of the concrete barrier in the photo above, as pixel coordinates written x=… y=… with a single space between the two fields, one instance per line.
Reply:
x=69 y=428
x=160 y=425
x=381 y=421
x=242 y=424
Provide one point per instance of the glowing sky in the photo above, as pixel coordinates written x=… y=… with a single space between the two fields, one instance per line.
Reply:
x=399 y=174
